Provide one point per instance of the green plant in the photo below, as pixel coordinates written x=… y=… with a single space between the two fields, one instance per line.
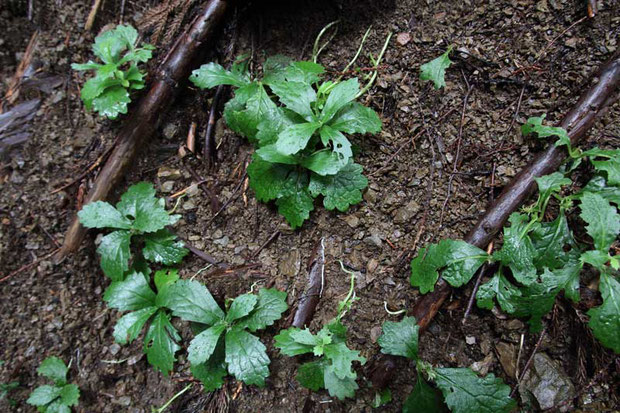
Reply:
x=301 y=149
x=539 y=258
x=333 y=368
x=57 y=398
x=108 y=92
x=463 y=390
x=5 y=388
x=435 y=70
x=223 y=342
x=138 y=217
x=134 y=294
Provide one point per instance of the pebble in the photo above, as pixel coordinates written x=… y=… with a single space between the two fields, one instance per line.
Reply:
x=222 y=241
x=352 y=221
x=375 y=333
x=470 y=340
x=167 y=186
x=403 y=38
x=114 y=349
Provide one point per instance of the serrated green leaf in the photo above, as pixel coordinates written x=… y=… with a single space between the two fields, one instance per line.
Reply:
x=148 y=212
x=258 y=108
x=466 y=392
x=311 y=375
x=57 y=407
x=596 y=258
x=94 y=87
x=295 y=202
x=213 y=74
x=337 y=387
x=115 y=254
x=164 y=278
x=271 y=304
x=550 y=184
x=129 y=326
x=86 y=66
x=605 y=319
x=274 y=68
x=246 y=357
x=356 y=118
x=458 y=259
x=294 y=138
x=306 y=72
x=534 y=125
x=160 y=343
x=435 y=70
x=126 y=34
x=599 y=186
x=296 y=96
x=191 y=301
x=240 y=307
x=109 y=45
x=423 y=398
x=611 y=167
x=134 y=293
x=340 y=143
x=602 y=219
x=382 y=398
x=212 y=372
x=54 y=369
x=324 y=162
x=70 y=395
x=339 y=97
x=203 y=345
x=267 y=179
x=162 y=246
x=341 y=190
x=400 y=338
x=270 y=153
x=43 y=395
x=112 y=102
x=100 y=214
x=549 y=240
x=288 y=345
x=342 y=359
x=518 y=251
x=497 y=287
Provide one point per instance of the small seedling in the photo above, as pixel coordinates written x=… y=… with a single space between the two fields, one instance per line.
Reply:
x=223 y=343
x=140 y=218
x=135 y=294
x=5 y=388
x=463 y=390
x=333 y=368
x=301 y=149
x=541 y=258
x=435 y=70
x=108 y=92
x=59 y=397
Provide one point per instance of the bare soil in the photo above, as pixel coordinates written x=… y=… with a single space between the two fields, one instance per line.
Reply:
x=57 y=308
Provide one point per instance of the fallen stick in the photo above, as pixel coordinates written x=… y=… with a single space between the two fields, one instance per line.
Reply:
x=593 y=103
x=173 y=70
x=316 y=281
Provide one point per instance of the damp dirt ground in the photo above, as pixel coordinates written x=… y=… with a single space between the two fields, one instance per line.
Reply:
x=455 y=148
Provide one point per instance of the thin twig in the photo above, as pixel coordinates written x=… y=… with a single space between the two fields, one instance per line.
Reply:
x=209 y=149
x=481 y=273
x=28 y=266
x=458 y=148
x=92 y=15
x=529 y=361
x=271 y=239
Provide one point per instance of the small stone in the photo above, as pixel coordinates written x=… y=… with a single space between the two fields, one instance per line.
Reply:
x=222 y=241
x=482 y=367
x=167 y=186
x=188 y=205
x=546 y=384
x=370 y=196
x=375 y=333
x=372 y=265
x=470 y=340
x=167 y=172
x=122 y=401
x=291 y=264
x=170 y=130
x=403 y=38
x=406 y=213
x=507 y=354
x=514 y=324
x=114 y=349
x=352 y=221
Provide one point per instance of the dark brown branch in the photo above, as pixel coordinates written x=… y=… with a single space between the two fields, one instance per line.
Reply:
x=141 y=125
x=592 y=104
x=316 y=279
